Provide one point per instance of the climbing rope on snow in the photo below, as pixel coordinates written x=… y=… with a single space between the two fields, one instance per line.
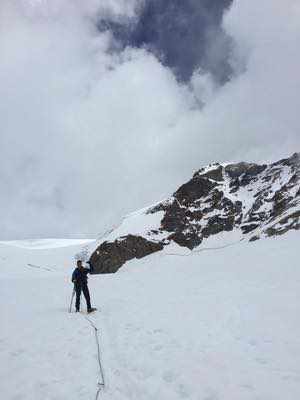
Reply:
x=101 y=381
x=40 y=267
x=193 y=252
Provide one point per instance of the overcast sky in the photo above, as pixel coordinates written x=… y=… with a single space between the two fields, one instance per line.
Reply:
x=108 y=105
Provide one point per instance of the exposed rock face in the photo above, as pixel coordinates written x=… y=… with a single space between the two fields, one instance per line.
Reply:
x=255 y=200
x=110 y=256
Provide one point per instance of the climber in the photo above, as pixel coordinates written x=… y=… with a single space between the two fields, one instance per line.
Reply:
x=80 y=280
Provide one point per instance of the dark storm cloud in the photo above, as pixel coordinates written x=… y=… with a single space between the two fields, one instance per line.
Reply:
x=185 y=35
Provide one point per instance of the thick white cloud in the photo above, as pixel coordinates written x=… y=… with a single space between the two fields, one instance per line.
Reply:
x=82 y=129
x=88 y=134
x=257 y=112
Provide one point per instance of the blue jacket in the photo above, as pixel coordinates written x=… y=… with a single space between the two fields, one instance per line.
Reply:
x=79 y=276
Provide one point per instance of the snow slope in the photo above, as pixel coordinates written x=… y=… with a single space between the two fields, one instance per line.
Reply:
x=36 y=244
x=220 y=324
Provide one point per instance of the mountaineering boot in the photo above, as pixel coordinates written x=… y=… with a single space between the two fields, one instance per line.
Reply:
x=92 y=309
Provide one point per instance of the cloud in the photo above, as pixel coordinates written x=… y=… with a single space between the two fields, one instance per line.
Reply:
x=168 y=27
x=88 y=134
x=257 y=110
x=82 y=129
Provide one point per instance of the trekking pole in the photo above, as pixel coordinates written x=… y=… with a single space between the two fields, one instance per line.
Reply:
x=73 y=294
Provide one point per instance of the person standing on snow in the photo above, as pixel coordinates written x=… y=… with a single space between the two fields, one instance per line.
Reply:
x=80 y=280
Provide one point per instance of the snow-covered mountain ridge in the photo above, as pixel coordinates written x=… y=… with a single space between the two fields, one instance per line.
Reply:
x=244 y=200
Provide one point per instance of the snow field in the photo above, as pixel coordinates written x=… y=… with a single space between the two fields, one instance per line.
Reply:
x=215 y=325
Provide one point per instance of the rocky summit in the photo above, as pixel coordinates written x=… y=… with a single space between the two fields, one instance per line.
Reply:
x=248 y=200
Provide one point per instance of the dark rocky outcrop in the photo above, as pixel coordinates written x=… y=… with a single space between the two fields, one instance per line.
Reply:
x=291 y=222
x=256 y=200
x=214 y=174
x=110 y=256
x=244 y=169
x=193 y=190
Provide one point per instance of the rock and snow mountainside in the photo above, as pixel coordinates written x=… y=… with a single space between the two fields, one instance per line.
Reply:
x=232 y=201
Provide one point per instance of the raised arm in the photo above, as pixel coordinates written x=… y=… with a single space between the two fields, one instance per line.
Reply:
x=90 y=269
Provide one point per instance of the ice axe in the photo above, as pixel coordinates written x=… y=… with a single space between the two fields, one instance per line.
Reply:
x=73 y=294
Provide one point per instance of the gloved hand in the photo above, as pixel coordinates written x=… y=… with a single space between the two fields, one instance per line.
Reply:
x=90 y=265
